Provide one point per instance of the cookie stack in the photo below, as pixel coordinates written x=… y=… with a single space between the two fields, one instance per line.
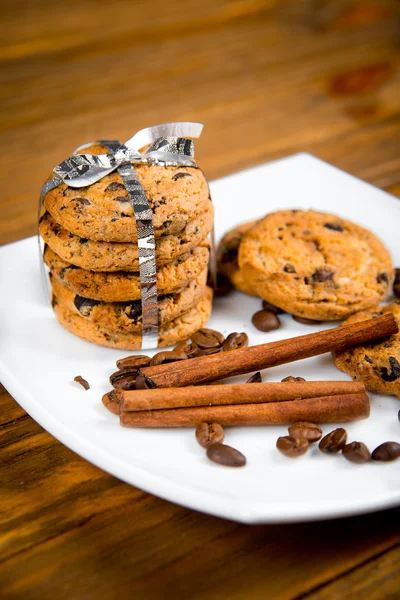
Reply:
x=91 y=250
x=314 y=265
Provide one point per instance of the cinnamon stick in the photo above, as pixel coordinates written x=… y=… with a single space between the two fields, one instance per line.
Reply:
x=217 y=395
x=254 y=358
x=325 y=409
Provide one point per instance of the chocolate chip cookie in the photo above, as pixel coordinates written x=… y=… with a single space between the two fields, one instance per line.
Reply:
x=127 y=316
x=116 y=256
x=315 y=265
x=376 y=363
x=122 y=286
x=103 y=211
x=227 y=258
x=175 y=331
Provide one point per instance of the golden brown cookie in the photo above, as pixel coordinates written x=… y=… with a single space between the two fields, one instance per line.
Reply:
x=118 y=256
x=376 y=363
x=103 y=211
x=315 y=265
x=175 y=331
x=227 y=258
x=127 y=316
x=122 y=286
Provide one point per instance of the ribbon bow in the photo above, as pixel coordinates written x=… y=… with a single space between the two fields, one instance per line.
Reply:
x=169 y=145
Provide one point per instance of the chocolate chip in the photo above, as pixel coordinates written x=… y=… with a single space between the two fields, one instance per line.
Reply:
x=333 y=226
x=304 y=429
x=209 y=433
x=133 y=310
x=382 y=278
x=81 y=201
x=114 y=186
x=367 y=359
x=82 y=382
x=256 y=378
x=394 y=372
x=386 y=452
x=83 y=240
x=122 y=198
x=180 y=175
x=84 y=305
x=234 y=341
x=54 y=301
x=226 y=455
x=272 y=308
x=305 y=321
x=292 y=379
x=356 y=452
x=322 y=275
x=333 y=442
x=288 y=268
x=292 y=447
x=264 y=320
x=397 y=276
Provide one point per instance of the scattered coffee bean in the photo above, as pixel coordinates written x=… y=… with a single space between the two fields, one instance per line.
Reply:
x=226 y=455
x=271 y=308
x=207 y=351
x=83 y=382
x=209 y=433
x=292 y=447
x=145 y=383
x=386 y=452
x=264 y=320
x=224 y=286
x=256 y=378
x=234 y=341
x=185 y=348
x=333 y=442
x=208 y=338
x=356 y=452
x=133 y=362
x=167 y=357
x=291 y=378
x=304 y=429
x=305 y=321
x=124 y=380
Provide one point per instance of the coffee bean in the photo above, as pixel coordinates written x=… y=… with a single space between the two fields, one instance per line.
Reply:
x=304 y=429
x=234 y=341
x=226 y=455
x=256 y=378
x=185 y=348
x=207 y=351
x=209 y=433
x=291 y=378
x=124 y=380
x=356 y=452
x=333 y=442
x=224 y=286
x=134 y=362
x=305 y=321
x=145 y=383
x=271 y=308
x=264 y=320
x=85 y=384
x=167 y=357
x=208 y=338
x=292 y=447
x=386 y=452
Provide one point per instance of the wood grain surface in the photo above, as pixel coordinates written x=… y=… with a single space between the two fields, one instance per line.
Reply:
x=268 y=78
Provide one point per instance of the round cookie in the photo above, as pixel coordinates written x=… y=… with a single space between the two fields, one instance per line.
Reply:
x=227 y=258
x=376 y=363
x=175 y=331
x=123 y=286
x=103 y=211
x=117 y=256
x=127 y=316
x=315 y=265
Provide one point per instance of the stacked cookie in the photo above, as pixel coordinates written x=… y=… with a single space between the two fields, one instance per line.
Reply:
x=91 y=250
x=311 y=264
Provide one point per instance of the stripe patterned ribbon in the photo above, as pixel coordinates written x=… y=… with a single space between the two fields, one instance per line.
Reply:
x=169 y=146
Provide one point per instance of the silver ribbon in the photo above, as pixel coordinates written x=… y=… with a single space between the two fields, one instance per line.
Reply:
x=168 y=145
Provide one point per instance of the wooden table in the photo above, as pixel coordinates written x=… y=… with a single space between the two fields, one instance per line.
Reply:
x=268 y=78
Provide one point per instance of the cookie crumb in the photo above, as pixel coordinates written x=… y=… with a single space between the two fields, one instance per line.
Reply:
x=83 y=382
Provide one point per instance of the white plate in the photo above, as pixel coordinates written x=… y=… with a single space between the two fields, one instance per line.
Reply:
x=38 y=361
